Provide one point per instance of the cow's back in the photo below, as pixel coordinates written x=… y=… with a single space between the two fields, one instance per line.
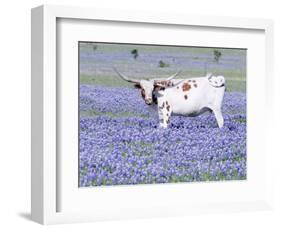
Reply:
x=192 y=95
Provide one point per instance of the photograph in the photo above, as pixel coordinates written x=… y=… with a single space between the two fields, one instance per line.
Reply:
x=156 y=113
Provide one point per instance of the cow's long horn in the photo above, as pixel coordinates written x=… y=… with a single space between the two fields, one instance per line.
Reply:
x=173 y=76
x=124 y=77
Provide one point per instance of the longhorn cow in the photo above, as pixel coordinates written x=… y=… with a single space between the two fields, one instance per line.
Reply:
x=188 y=97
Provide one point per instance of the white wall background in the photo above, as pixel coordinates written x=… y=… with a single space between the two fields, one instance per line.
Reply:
x=15 y=112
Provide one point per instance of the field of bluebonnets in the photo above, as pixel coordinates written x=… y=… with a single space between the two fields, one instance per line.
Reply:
x=120 y=141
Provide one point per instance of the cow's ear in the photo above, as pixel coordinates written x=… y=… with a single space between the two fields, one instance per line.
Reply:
x=157 y=88
x=137 y=86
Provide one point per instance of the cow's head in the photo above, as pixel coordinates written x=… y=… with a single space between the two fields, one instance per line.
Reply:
x=148 y=86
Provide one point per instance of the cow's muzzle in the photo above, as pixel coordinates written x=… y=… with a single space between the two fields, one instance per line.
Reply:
x=148 y=101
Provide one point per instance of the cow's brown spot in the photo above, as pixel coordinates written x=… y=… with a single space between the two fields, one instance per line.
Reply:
x=167 y=103
x=189 y=80
x=195 y=85
x=185 y=97
x=193 y=81
x=169 y=83
x=165 y=83
x=168 y=107
x=186 y=87
x=178 y=87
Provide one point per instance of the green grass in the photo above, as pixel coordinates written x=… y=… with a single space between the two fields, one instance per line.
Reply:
x=234 y=82
x=104 y=80
x=107 y=47
x=97 y=72
x=235 y=86
x=241 y=120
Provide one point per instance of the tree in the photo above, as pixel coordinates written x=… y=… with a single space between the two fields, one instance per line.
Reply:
x=135 y=53
x=217 y=55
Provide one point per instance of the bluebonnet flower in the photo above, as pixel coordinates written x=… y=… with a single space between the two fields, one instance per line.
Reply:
x=120 y=142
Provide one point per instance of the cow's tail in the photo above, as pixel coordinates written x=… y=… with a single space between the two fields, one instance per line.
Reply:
x=216 y=81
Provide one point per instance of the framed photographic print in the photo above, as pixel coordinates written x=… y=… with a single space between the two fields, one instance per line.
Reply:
x=137 y=114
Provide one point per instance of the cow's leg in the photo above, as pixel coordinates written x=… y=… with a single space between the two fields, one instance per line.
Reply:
x=219 y=117
x=162 y=117
x=164 y=113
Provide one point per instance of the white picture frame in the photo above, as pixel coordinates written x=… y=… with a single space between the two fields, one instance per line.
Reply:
x=45 y=182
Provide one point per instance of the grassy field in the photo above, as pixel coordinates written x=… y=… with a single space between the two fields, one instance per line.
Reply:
x=97 y=61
